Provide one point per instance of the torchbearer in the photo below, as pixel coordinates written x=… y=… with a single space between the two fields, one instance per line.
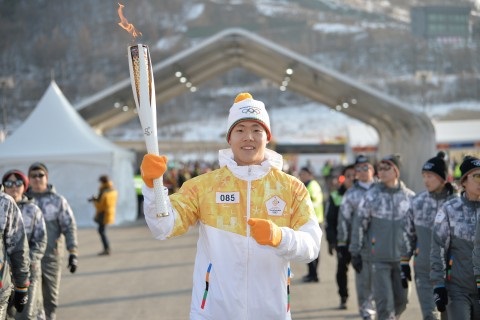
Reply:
x=253 y=220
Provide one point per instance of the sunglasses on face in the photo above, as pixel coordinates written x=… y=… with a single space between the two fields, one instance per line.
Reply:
x=384 y=167
x=37 y=175
x=363 y=168
x=10 y=183
x=475 y=177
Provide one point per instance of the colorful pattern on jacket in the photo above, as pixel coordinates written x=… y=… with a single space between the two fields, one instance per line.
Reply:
x=246 y=280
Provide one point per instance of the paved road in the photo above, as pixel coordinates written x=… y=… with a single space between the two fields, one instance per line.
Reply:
x=149 y=279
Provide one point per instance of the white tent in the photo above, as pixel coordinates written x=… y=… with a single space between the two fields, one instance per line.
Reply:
x=74 y=154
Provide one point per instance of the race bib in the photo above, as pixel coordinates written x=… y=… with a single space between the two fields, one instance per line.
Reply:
x=227 y=197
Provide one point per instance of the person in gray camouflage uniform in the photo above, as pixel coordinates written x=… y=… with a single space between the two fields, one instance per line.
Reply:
x=59 y=220
x=348 y=222
x=15 y=183
x=452 y=245
x=382 y=215
x=419 y=228
x=472 y=189
x=14 y=248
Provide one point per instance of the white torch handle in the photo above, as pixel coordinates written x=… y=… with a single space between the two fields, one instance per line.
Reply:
x=158 y=188
x=141 y=76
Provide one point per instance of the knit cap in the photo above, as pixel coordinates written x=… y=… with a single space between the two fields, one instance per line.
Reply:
x=246 y=108
x=37 y=166
x=469 y=163
x=393 y=160
x=18 y=174
x=361 y=159
x=437 y=165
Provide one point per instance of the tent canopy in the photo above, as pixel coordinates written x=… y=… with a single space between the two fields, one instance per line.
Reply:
x=55 y=134
x=400 y=130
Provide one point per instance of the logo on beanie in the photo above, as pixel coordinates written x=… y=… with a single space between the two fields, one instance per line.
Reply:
x=250 y=110
x=476 y=163
x=428 y=166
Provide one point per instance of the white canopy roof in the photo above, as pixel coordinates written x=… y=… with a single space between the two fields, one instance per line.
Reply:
x=74 y=154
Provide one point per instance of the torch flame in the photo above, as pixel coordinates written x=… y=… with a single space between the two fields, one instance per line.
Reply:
x=125 y=24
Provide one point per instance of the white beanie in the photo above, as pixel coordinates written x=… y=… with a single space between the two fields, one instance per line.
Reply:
x=246 y=108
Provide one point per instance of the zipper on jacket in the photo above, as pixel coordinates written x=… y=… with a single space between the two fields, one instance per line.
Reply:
x=394 y=210
x=247 y=206
x=249 y=188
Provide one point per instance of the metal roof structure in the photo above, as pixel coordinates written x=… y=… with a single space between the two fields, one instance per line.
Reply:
x=400 y=130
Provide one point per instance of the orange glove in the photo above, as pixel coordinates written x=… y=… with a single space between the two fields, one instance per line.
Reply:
x=152 y=167
x=265 y=232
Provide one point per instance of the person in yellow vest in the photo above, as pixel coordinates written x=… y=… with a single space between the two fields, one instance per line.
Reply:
x=253 y=220
x=138 y=182
x=105 y=205
x=315 y=191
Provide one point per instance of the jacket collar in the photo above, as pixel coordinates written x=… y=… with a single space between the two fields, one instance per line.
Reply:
x=252 y=172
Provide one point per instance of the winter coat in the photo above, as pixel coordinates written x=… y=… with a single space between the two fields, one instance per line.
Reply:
x=105 y=203
x=382 y=219
x=348 y=220
x=420 y=224
x=59 y=220
x=234 y=276
x=13 y=246
x=452 y=245
x=35 y=228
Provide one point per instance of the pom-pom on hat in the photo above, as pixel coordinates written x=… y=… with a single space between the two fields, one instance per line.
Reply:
x=469 y=164
x=246 y=108
x=18 y=174
x=437 y=165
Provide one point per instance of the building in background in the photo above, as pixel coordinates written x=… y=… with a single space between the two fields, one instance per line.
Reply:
x=440 y=22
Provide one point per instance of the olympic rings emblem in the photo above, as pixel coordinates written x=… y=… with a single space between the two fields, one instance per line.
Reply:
x=251 y=110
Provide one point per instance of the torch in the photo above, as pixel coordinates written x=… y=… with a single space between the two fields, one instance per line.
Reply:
x=143 y=87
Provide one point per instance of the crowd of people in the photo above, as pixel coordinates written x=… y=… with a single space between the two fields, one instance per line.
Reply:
x=35 y=220
x=255 y=219
x=384 y=230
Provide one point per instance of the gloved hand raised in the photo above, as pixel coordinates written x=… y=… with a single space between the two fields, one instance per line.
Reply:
x=152 y=167
x=265 y=232
x=357 y=263
x=72 y=262
x=20 y=298
x=405 y=273
x=441 y=298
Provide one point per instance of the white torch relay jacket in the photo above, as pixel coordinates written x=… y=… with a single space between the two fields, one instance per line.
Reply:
x=235 y=277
